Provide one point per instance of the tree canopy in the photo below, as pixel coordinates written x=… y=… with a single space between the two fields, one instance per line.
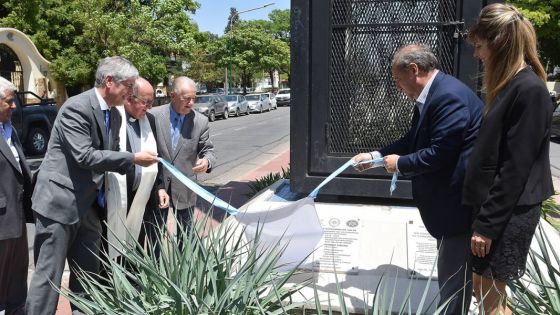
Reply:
x=75 y=34
x=158 y=36
x=545 y=16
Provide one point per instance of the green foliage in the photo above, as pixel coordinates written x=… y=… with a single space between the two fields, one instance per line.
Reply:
x=539 y=291
x=217 y=273
x=545 y=15
x=75 y=34
x=267 y=180
x=551 y=211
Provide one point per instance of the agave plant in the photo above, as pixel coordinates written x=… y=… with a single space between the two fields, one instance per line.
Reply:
x=267 y=180
x=538 y=292
x=214 y=272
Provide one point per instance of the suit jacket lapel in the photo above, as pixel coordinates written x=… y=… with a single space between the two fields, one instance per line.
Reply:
x=186 y=131
x=7 y=152
x=99 y=118
x=115 y=127
x=24 y=167
x=165 y=130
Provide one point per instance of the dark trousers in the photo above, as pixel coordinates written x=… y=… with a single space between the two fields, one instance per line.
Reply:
x=54 y=243
x=455 y=273
x=14 y=261
x=153 y=227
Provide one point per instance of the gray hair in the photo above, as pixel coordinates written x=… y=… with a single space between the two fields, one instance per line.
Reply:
x=180 y=81
x=5 y=86
x=421 y=55
x=118 y=67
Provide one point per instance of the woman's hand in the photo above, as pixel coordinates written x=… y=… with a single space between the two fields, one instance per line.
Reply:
x=480 y=245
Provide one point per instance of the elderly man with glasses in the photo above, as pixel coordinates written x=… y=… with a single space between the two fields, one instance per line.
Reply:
x=15 y=208
x=184 y=140
x=141 y=189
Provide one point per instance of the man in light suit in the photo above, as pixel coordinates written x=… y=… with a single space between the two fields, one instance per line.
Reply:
x=15 y=208
x=183 y=140
x=434 y=154
x=69 y=195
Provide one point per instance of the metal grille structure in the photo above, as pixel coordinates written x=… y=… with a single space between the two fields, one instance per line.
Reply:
x=366 y=110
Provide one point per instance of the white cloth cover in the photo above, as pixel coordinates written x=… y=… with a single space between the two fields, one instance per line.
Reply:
x=293 y=226
x=120 y=226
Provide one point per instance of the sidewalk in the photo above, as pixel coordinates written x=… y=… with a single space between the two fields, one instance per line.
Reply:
x=232 y=192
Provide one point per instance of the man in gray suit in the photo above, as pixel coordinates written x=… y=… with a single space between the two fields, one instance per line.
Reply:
x=69 y=195
x=184 y=140
x=15 y=207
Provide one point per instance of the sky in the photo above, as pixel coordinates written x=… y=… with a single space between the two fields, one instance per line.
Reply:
x=212 y=16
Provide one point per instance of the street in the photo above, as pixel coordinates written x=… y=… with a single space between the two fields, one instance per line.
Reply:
x=555 y=158
x=244 y=140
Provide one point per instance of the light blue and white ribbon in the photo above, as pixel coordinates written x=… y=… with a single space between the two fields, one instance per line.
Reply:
x=197 y=189
x=214 y=200
x=339 y=170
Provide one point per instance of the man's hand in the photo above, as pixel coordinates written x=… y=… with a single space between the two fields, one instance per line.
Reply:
x=391 y=163
x=145 y=158
x=480 y=245
x=201 y=166
x=163 y=199
x=362 y=157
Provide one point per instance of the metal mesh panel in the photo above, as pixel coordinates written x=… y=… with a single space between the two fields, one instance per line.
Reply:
x=366 y=110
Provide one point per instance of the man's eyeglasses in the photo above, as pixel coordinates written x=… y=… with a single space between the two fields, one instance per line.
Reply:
x=127 y=84
x=187 y=99
x=147 y=103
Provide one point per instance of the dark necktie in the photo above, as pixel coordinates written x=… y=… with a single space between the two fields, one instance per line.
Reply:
x=101 y=193
x=107 y=116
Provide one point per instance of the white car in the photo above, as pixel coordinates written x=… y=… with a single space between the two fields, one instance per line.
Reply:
x=272 y=99
x=283 y=97
x=258 y=102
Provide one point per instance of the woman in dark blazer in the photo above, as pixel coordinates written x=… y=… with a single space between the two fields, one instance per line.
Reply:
x=508 y=175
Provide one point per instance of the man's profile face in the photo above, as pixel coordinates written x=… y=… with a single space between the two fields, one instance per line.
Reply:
x=183 y=101
x=138 y=104
x=7 y=105
x=405 y=80
x=117 y=91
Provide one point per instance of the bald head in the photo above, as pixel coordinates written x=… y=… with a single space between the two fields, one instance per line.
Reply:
x=183 y=95
x=140 y=100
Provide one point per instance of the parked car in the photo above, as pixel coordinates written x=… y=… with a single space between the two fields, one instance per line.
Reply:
x=272 y=99
x=258 y=102
x=237 y=105
x=283 y=97
x=211 y=106
x=33 y=119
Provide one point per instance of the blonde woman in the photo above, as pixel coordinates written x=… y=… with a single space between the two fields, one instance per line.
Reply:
x=508 y=175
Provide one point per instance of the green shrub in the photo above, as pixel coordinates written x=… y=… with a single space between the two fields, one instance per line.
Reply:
x=539 y=291
x=213 y=274
x=267 y=180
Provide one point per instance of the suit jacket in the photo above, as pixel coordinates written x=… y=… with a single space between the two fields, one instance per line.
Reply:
x=130 y=175
x=78 y=155
x=15 y=190
x=510 y=164
x=193 y=143
x=435 y=151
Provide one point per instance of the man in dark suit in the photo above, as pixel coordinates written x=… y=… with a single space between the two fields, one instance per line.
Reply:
x=152 y=202
x=69 y=191
x=15 y=208
x=184 y=140
x=434 y=154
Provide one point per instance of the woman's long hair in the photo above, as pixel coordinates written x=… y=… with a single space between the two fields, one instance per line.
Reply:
x=512 y=42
